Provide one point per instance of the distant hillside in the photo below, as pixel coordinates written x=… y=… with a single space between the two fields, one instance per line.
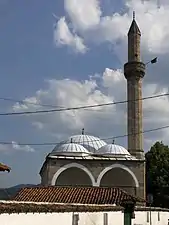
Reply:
x=8 y=193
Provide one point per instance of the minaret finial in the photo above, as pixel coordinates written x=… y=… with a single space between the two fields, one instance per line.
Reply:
x=134 y=15
x=82 y=131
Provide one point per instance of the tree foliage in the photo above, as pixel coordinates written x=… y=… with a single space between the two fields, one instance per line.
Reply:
x=157 y=174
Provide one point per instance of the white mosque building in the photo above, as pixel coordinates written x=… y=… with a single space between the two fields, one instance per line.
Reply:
x=84 y=160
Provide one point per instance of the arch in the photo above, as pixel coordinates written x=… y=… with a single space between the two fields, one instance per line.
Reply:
x=65 y=167
x=116 y=166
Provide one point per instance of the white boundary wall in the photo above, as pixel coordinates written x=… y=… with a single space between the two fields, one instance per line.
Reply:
x=89 y=218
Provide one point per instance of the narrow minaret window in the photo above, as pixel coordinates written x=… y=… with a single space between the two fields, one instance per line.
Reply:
x=134 y=71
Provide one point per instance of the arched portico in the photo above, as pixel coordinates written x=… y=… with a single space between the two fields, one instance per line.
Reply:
x=121 y=167
x=73 y=165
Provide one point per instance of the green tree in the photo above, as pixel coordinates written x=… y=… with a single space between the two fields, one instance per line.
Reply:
x=157 y=174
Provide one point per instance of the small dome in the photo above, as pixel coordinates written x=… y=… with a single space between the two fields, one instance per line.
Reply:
x=70 y=149
x=113 y=150
x=91 y=143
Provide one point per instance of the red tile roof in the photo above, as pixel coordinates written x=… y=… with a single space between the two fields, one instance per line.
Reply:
x=4 y=168
x=20 y=207
x=81 y=195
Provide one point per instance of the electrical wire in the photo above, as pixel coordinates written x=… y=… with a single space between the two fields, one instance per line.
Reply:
x=43 y=105
x=78 y=108
x=29 y=103
x=104 y=139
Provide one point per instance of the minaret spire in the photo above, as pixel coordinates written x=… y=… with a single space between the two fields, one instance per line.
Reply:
x=134 y=36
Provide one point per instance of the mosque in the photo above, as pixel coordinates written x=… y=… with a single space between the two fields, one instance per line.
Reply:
x=84 y=160
x=84 y=180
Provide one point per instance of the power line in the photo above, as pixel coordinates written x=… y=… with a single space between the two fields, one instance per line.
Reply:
x=29 y=103
x=104 y=139
x=51 y=106
x=43 y=105
x=78 y=108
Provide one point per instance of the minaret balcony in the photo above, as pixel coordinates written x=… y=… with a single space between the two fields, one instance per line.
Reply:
x=134 y=69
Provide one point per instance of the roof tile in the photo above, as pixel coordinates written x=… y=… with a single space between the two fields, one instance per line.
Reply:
x=4 y=168
x=78 y=195
x=21 y=207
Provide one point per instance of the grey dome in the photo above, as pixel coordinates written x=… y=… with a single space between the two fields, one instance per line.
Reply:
x=113 y=150
x=91 y=143
x=70 y=149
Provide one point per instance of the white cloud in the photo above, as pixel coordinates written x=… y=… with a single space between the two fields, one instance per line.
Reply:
x=84 y=14
x=86 y=19
x=68 y=93
x=15 y=147
x=24 y=148
x=63 y=36
x=116 y=77
x=107 y=121
x=32 y=101
x=37 y=124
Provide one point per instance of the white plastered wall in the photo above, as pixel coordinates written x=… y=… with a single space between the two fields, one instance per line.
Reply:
x=114 y=218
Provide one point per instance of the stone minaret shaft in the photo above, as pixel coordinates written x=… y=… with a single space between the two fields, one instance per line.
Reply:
x=134 y=71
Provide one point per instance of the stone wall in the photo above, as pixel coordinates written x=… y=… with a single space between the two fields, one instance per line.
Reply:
x=96 y=170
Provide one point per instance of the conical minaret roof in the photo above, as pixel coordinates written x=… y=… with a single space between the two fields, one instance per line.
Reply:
x=134 y=29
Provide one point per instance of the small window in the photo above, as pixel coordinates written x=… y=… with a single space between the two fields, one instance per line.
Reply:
x=105 y=219
x=75 y=219
x=148 y=217
x=158 y=216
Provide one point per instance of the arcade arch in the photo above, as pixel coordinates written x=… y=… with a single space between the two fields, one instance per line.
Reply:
x=73 y=174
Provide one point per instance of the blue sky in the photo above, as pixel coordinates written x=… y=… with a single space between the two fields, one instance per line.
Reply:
x=29 y=56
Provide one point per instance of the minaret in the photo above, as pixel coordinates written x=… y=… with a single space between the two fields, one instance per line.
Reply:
x=134 y=71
